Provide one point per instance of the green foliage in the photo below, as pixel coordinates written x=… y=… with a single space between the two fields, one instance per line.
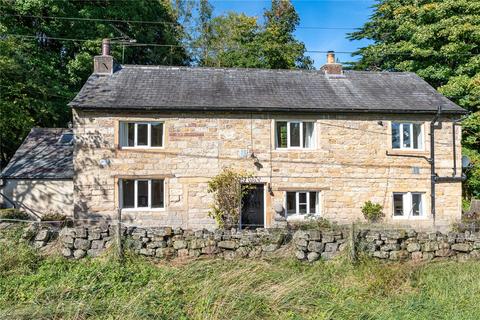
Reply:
x=14 y=214
x=372 y=211
x=439 y=40
x=472 y=184
x=54 y=217
x=313 y=223
x=228 y=190
x=40 y=76
x=35 y=287
x=238 y=40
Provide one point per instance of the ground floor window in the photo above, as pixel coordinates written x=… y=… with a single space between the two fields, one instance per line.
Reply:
x=408 y=204
x=302 y=203
x=142 y=193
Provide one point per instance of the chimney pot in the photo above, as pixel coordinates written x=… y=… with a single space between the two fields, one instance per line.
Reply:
x=105 y=47
x=330 y=57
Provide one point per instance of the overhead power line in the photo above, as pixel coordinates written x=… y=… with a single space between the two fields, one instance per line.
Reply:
x=88 y=19
x=146 y=21
x=134 y=44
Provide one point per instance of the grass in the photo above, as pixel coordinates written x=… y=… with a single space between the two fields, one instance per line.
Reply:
x=36 y=287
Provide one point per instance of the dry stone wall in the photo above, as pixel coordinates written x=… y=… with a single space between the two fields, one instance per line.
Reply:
x=166 y=242
x=408 y=244
x=305 y=245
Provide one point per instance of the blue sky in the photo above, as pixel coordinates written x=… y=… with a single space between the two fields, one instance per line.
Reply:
x=315 y=13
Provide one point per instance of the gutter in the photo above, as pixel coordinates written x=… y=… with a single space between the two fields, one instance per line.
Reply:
x=262 y=109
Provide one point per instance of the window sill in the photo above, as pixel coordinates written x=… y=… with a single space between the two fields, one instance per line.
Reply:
x=143 y=209
x=407 y=152
x=410 y=218
x=295 y=149
x=301 y=217
x=141 y=149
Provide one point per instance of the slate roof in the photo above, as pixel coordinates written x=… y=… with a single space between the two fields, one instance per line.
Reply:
x=220 y=89
x=42 y=156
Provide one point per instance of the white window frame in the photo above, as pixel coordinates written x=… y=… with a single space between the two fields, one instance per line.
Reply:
x=400 y=129
x=408 y=205
x=297 y=214
x=301 y=122
x=135 y=195
x=124 y=124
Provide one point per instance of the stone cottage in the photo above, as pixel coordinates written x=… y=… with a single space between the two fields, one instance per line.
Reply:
x=39 y=177
x=319 y=143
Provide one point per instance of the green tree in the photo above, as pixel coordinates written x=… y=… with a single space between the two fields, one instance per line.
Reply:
x=280 y=48
x=238 y=40
x=42 y=68
x=440 y=41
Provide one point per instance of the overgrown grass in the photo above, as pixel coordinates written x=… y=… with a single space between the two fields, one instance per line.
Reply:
x=35 y=287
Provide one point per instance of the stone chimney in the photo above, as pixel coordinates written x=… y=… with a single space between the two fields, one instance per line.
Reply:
x=331 y=67
x=103 y=65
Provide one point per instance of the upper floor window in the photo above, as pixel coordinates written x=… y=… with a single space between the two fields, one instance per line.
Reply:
x=302 y=203
x=407 y=135
x=141 y=134
x=408 y=204
x=142 y=194
x=295 y=134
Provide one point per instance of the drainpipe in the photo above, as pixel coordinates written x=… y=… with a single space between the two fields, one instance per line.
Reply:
x=454 y=177
x=433 y=175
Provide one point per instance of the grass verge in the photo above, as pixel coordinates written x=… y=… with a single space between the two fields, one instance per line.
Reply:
x=48 y=287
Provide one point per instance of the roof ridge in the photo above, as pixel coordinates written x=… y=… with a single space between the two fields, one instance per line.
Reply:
x=158 y=67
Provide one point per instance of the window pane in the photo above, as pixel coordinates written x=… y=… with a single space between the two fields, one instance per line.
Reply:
x=417 y=136
x=302 y=197
x=281 y=129
x=294 y=134
x=406 y=135
x=157 y=193
x=291 y=205
x=302 y=208
x=157 y=134
x=302 y=200
x=142 y=134
x=416 y=204
x=313 y=202
x=308 y=134
x=398 y=204
x=130 y=132
x=142 y=194
x=128 y=193
x=395 y=135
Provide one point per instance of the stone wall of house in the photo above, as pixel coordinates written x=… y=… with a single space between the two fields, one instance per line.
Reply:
x=306 y=245
x=42 y=196
x=352 y=162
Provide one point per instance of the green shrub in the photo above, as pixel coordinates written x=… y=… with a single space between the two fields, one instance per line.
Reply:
x=228 y=191
x=372 y=211
x=312 y=223
x=54 y=217
x=14 y=214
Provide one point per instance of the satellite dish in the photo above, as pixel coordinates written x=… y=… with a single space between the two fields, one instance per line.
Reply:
x=466 y=163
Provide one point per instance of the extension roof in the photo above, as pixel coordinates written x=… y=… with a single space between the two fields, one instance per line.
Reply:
x=42 y=156
x=251 y=90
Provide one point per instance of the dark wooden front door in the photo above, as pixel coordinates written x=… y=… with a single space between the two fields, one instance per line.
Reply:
x=253 y=207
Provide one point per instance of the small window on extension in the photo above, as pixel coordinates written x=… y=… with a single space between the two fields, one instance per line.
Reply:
x=66 y=138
